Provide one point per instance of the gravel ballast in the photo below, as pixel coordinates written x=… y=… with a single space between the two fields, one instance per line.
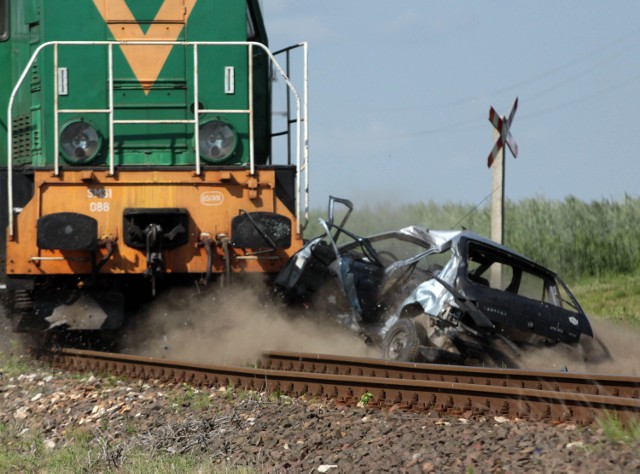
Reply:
x=274 y=433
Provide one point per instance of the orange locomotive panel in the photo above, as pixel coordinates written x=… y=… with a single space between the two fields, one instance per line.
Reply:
x=211 y=201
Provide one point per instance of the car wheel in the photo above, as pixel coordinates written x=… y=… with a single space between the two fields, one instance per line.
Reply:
x=403 y=341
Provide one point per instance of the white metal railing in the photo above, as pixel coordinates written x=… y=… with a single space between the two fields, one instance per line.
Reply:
x=301 y=114
x=305 y=110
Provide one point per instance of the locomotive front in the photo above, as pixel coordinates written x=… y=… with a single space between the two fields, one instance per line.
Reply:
x=139 y=154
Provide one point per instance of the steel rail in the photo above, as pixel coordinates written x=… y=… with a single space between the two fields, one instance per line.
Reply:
x=596 y=384
x=418 y=395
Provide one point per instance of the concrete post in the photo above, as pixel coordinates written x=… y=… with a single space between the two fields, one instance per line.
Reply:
x=497 y=207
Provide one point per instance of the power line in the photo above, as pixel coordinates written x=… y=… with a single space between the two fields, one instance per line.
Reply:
x=476 y=207
x=541 y=76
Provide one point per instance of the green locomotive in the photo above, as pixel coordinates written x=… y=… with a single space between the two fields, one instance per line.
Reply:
x=137 y=154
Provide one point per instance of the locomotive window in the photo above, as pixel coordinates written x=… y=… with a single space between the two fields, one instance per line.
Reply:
x=4 y=20
x=251 y=30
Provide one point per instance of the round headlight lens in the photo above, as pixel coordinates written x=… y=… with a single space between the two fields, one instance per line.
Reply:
x=218 y=141
x=80 y=142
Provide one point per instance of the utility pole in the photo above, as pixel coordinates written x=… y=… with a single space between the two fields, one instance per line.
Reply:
x=497 y=196
x=496 y=161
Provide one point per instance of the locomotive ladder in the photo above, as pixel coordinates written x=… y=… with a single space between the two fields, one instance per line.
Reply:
x=302 y=159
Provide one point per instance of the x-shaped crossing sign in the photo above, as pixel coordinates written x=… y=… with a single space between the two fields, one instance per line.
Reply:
x=502 y=125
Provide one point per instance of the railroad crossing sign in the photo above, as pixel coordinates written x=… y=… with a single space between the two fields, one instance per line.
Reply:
x=502 y=125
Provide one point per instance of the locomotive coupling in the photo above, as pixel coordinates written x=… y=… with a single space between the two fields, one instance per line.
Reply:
x=155 y=264
x=207 y=242
x=224 y=242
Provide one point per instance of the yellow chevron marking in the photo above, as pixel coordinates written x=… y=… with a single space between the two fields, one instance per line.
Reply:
x=146 y=61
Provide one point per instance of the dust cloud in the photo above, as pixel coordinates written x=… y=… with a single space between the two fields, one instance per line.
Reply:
x=620 y=340
x=12 y=343
x=232 y=326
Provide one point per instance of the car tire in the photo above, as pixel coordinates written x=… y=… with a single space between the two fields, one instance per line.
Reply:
x=403 y=340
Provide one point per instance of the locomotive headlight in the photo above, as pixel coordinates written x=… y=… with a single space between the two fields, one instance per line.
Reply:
x=80 y=142
x=218 y=141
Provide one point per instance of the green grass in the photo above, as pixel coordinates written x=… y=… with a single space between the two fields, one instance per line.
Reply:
x=615 y=298
x=190 y=398
x=12 y=362
x=13 y=365
x=618 y=432
x=83 y=453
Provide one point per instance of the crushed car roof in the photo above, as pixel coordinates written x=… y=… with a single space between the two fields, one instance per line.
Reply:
x=440 y=239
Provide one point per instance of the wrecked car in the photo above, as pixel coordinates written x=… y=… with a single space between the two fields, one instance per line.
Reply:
x=436 y=296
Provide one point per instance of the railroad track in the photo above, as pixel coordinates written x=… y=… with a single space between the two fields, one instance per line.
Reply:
x=594 y=384
x=552 y=396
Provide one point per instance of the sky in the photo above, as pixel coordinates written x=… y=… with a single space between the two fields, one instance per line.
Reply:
x=399 y=96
